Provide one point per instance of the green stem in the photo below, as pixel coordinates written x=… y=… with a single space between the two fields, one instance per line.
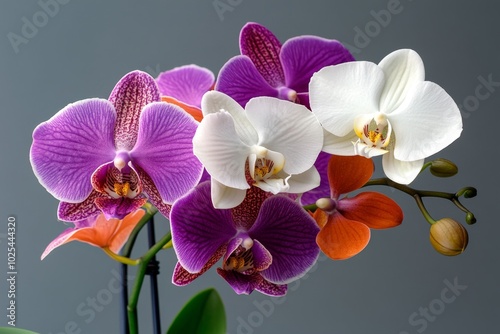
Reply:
x=418 y=194
x=139 y=279
x=424 y=211
x=410 y=191
x=150 y=212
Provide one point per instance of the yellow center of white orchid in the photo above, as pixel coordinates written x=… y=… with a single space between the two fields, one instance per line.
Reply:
x=375 y=132
x=264 y=163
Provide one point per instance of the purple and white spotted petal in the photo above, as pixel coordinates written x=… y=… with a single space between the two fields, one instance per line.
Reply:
x=241 y=283
x=271 y=289
x=73 y=212
x=152 y=193
x=119 y=207
x=295 y=251
x=262 y=259
x=132 y=93
x=183 y=277
x=260 y=45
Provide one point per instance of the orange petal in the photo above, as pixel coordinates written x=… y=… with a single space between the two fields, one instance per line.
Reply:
x=373 y=209
x=321 y=217
x=342 y=238
x=108 y=233
x=193 y=111
x=348 y=173
x=123 y=231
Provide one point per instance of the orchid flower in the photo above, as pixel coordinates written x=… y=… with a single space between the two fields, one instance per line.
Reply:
x=266 y=68
x=385 y=109
x=184 y=86
x=111 y=156
x=345 y=222
x=99 y=232
x=265 y=243
x=272 y=144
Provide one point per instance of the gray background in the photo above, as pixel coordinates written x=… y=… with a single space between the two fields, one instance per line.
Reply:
x=84 y=49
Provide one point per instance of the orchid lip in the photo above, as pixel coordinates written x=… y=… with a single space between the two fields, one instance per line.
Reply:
x=264 y=163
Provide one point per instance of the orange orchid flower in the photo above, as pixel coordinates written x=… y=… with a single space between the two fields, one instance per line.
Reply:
x=345 y=222
x=97 y=231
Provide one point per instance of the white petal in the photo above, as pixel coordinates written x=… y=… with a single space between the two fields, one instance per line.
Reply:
x=427 y=121
x=360 y=148
x=339 y=145
x=339 y=93
x=300 y=183
x=288 y=128
x=214 y=101
x=218 y=147
x=403 y=172
x=225 y=197
x=403 y=68
x=274 y=185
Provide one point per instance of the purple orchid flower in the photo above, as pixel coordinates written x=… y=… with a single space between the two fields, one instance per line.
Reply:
x=266 y=68
x=111 y=156
x=266 y=242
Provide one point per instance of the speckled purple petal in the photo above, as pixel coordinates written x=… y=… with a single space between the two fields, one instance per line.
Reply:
x=241 y=284
x=186 y=83
x=73 y=212
x=263 y=48
x=164 y=150
x=68 y=148
x=149 y=188
x=245 y=214
x=304 y=55
x=231 y=247
x=198 y=229
x=239 y=79
x=289 y=233
x=323 y=190
x=134 y=91
x=271 y=289
x=119 y=207
x=262 y=259
x=183 y=277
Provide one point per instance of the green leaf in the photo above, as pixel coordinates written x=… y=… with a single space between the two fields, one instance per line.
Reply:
x=12 y=330
x=203 y=314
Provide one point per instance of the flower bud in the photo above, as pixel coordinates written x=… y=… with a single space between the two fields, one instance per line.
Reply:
x=443 y=168
x=448 y=237
x=469 y=218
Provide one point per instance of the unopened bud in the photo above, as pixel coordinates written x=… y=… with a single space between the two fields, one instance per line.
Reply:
x=443 y=168
x=448 y=237
x=469 y=218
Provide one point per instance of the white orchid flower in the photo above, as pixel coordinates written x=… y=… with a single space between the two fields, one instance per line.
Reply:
x=386 y=109
x=272 y=144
